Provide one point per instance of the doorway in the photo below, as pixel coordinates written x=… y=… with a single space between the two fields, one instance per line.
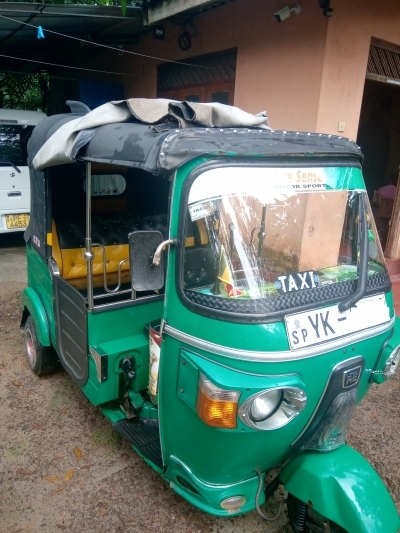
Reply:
x=379 y=133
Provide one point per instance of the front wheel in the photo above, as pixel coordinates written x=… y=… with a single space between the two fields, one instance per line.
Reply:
x=41 y=359
x=304 y=519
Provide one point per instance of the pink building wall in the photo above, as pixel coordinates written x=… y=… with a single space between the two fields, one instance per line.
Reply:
x=308 y=72
x=350 y=30
x=279 y=66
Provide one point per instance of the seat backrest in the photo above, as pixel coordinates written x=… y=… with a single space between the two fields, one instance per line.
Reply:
x=108 y=229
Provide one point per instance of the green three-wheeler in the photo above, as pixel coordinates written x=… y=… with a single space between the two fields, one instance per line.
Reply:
x=215 y=290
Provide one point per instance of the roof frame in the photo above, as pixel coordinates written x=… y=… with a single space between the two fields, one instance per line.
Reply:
x=170 y=8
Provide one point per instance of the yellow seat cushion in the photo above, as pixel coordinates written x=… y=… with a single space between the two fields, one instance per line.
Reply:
x=73 y=266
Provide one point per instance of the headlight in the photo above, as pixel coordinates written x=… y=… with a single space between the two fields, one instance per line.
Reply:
x=392 y=363
x=273 y=408
x=265 y=404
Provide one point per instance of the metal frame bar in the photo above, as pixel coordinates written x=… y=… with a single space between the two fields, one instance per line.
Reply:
x=116 y=289
x=89 y=255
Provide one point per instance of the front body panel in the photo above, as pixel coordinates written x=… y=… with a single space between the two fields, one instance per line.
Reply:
x=248 y=357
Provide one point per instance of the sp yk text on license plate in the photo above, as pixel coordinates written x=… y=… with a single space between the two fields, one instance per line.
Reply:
x=328 y=323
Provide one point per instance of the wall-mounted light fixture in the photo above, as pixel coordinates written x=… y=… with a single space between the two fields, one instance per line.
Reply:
x=285 y=12
x=159 y=33
x=325 y=5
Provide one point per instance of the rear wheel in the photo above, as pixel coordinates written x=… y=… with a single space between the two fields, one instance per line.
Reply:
x=41 y=359
x=304 y=519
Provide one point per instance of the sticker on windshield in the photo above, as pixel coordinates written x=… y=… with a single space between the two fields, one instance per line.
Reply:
x=297 y=281
x=202 y=209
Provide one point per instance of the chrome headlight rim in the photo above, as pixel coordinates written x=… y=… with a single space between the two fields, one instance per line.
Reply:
x=292 y=401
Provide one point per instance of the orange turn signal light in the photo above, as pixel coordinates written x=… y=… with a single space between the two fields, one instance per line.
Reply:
x=215 y=406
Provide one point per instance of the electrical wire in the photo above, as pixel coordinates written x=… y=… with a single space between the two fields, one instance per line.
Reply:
x=263 y=515
x=67 y=66
x=105 y=45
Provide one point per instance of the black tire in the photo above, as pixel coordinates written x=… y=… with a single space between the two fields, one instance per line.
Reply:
x=301 y=514
x=41 y=359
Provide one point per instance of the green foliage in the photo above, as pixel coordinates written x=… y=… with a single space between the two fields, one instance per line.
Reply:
x=122 y=3
x=18 y=91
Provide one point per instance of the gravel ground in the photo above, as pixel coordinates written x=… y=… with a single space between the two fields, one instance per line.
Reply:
x=62 y=467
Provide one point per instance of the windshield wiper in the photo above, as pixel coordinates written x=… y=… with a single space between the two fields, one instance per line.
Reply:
x=362 y=253
x=10 y=164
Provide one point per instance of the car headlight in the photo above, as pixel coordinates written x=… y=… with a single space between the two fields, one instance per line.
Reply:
x=272 y=408
x=265 y=404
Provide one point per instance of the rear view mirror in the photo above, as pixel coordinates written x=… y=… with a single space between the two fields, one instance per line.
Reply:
x=145 y=275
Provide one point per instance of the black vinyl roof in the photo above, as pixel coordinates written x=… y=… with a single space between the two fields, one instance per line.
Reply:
x=163 y=148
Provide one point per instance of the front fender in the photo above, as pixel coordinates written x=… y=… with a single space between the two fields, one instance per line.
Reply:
x=31 y=301
x=342 y=486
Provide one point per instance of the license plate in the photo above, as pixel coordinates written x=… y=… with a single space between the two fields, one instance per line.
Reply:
x=328 y=323
x=19 y=220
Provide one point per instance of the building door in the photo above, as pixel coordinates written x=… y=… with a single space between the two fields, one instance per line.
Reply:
x=206 y=79
x=379 y=131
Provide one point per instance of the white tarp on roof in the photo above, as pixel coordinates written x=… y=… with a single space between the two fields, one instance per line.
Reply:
x=57 y=149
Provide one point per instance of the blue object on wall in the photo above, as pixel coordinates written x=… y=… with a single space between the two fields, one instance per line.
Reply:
x=95 y=93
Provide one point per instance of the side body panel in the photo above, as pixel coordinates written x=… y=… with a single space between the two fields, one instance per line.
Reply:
x=39 y=281
x=118 y=333
x=31 y=302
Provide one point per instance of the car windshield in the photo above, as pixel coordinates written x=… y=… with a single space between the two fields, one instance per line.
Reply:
x=259 y=233
x=13 y=144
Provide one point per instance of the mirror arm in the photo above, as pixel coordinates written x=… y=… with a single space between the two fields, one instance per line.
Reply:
x=160 y=248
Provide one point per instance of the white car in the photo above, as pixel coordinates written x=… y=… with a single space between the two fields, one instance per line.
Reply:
x=16 y=126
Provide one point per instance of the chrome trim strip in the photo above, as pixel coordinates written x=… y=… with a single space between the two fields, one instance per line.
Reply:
x=274 y=376
x=278 y=357
x=125 y=291
x=127 y=303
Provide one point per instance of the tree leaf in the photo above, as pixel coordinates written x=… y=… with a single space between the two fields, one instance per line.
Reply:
x=52 y=479
x=69 y=474
x=57 y=490
x=78 y=453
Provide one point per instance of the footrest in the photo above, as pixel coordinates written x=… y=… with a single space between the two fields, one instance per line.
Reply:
x=144 y=435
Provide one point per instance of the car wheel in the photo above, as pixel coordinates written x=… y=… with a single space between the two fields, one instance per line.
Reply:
x=41 y=359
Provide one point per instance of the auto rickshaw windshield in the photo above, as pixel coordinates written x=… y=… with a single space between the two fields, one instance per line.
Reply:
x=265 y=232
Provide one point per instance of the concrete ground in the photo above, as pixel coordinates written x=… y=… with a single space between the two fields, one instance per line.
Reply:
x=62 y=467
